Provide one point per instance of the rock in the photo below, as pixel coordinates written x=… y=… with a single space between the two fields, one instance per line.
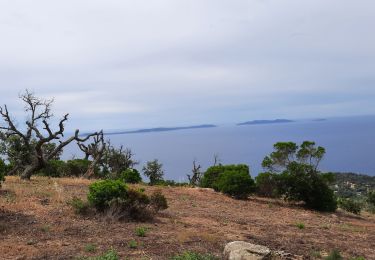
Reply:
x=240 y=250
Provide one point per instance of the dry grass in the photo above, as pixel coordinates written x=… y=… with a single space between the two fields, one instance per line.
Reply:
x=37 y=223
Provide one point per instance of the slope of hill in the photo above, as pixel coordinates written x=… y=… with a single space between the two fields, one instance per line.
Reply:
x=37 y=223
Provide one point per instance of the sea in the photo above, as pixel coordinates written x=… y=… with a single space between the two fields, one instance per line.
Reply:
x=349 y=144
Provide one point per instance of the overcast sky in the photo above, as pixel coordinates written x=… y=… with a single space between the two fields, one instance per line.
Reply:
x=146 y=63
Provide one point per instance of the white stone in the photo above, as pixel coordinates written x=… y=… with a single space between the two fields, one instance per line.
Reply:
x=240 y=250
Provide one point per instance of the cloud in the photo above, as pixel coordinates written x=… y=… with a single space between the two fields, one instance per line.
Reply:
x=163 y=62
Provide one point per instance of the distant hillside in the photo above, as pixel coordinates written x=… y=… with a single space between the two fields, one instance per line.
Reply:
x=160 y=129
x=352 y=184
x=264 y=122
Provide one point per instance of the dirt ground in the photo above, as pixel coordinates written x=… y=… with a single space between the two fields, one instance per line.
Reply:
x=37 y=223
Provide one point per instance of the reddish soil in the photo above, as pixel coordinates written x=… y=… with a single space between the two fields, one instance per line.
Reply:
x=37 y=223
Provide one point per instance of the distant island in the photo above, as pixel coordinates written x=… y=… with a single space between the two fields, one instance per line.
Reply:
x=160 y=129
x=319 y=119
x=264 y=122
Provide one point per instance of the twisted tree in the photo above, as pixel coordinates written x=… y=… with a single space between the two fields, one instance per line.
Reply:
x=36 y=136
x=96 y=150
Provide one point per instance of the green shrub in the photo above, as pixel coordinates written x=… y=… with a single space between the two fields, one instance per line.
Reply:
x=300 y=183
x=131 y=176
x=77 y=167
x=237 y=184
x=132 y=244
x=210 y=177
x=90 y=248
x=350 y=205
x=334 y=255
x=109 y=255
x=101 y=193
x=141 y=231
x=119 y=202
x=172 y=183
x=3 y=170
x=188 y=255
x=158 y=201
x=298 y=178
x=267 y=185
x=300 y=225
x=54 y=168
x=371 y=198
x=80 y=207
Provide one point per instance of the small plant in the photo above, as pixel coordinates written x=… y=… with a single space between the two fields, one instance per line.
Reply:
x=80 y=207
x=300 y=225
x=141 y=231
x=90 y=248
x=315 y=254
x=350 y=205
x=109 y=255
x=188 y=255
x=101 y=193
x=132 y=244
x=158 y=201
x=131 y=176
x=334 y=255
x=358 y=258
x=45 y=228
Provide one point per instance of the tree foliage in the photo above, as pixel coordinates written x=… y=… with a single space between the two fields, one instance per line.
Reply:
x=131 y=176
x=154 y=171
x=234 y=180
x=117 y=160
x=298 y=176
x=31 y=146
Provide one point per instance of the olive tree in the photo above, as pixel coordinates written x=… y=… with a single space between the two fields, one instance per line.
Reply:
x=37 y=141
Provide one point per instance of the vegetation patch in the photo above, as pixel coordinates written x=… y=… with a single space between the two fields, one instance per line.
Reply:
x=189 y=255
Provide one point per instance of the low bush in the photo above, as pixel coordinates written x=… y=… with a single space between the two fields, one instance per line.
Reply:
x=300 y=183
x=118 y=202
x=233 y=180
x=55 y=168
x=237 y=184
x=334 y=255
x=267 y=185
x=131 y=176
x=350 y=205
x=80 y=207
x=158 y=201
x=101 y=193
x=300 y=225
x=188 y=255
x=141 y=231
x=77 y=167
x=172 y=183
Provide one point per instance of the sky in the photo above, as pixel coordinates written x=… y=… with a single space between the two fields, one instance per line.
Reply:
x=133 y=64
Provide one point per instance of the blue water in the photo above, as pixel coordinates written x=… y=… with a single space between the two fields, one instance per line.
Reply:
x=349 y=142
